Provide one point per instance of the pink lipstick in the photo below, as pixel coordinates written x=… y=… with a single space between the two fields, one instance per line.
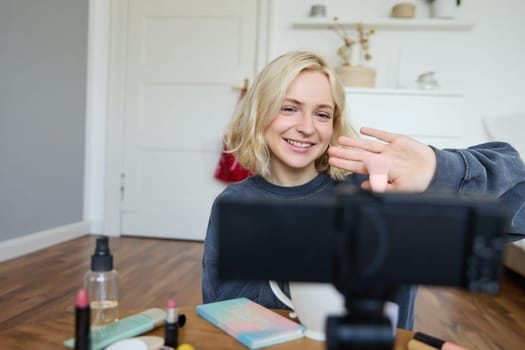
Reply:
x=82 y=321
x=171 y=325
x=378 y=167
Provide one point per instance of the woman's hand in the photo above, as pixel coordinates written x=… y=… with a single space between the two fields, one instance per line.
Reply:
x=412 y=163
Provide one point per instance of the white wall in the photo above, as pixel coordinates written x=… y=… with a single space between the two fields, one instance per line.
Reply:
x=485 y=63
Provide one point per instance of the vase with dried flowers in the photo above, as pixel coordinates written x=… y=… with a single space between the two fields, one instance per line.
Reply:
x=355 y=49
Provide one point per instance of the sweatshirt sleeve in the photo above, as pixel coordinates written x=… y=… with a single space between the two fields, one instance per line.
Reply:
x=494 y=168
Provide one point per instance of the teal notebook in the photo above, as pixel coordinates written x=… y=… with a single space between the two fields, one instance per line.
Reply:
x=250 y=323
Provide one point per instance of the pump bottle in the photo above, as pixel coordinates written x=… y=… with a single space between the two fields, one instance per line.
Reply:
x=102 y=285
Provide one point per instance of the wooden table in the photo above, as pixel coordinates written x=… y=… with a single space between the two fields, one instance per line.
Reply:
x=198 y=332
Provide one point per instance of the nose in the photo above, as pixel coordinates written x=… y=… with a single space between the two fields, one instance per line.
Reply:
x=305 y=124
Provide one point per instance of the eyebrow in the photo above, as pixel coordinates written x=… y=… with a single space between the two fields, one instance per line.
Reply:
x=293 y=100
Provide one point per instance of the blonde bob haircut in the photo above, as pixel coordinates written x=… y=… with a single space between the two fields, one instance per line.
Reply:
x=263 y=101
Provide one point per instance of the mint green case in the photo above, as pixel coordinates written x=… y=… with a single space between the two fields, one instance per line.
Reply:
x=127 y=327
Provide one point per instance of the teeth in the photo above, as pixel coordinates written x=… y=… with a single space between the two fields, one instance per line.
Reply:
x=299 y=144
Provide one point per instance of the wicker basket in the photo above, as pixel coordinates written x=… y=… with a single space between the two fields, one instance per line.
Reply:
x=356 y=76
x=404 y=10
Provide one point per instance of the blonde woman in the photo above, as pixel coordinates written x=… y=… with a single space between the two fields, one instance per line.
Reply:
x=288 y=131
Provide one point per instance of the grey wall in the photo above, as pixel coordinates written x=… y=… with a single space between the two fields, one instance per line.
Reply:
x=43 y=54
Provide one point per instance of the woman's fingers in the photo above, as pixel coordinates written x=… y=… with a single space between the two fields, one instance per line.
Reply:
x=365 y=145
x=346 y=153
x=348 y=159
x=382 y=135
x=352 y=152
x=353 y=166
x=412 y=163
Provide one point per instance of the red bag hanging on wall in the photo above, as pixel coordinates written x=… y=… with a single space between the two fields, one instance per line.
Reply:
x=229 y=169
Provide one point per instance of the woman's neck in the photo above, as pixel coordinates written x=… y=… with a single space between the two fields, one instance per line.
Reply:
x=289 y=179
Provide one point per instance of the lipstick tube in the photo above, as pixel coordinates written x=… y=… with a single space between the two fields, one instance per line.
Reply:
x=82 y=321
x=171 y=325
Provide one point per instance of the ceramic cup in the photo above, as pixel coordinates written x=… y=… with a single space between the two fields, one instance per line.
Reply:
x=313 y=302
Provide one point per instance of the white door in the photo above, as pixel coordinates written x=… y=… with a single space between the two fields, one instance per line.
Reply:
x=183 y=57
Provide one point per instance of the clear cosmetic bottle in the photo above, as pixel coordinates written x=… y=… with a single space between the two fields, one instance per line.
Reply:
x=102 y=285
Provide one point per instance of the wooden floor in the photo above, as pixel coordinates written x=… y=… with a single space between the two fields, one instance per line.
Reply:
x=42 y=285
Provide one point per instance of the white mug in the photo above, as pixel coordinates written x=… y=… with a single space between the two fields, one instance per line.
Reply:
x=313 y=302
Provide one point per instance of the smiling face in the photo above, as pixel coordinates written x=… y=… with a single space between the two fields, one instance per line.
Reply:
x=301 y=131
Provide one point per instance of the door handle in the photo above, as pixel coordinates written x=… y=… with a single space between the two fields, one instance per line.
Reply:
x=245 y=86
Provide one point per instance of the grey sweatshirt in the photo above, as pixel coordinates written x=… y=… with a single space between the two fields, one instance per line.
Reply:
x=493 y=167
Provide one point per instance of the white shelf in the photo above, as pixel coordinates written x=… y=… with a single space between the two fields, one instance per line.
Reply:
x=403 y=92
x=390 y=23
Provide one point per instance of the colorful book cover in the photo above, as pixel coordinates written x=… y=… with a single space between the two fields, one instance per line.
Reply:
x=250 y=323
